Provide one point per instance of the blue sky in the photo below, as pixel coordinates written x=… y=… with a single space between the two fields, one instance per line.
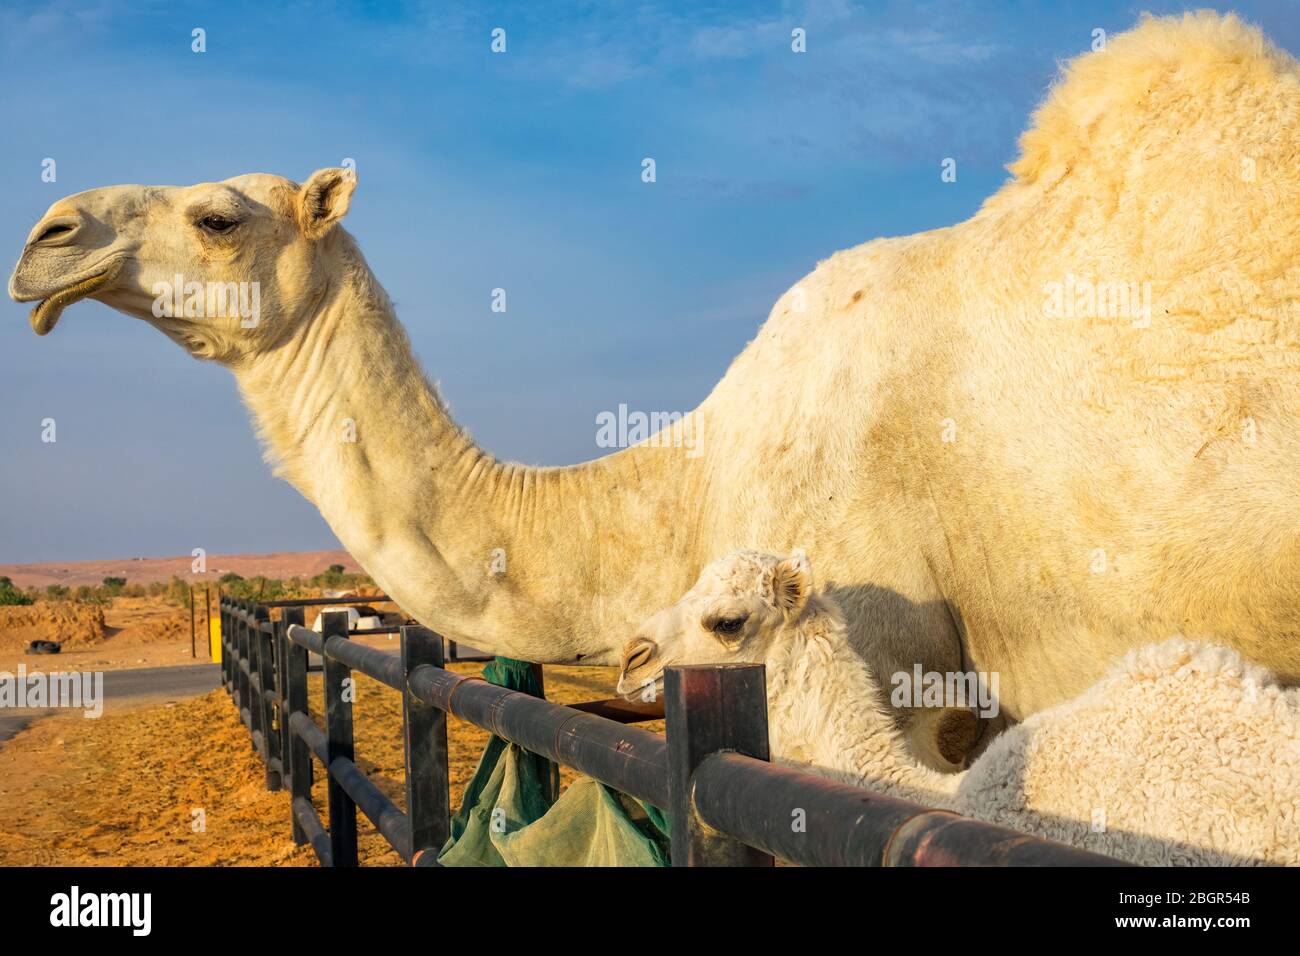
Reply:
x=479 y=170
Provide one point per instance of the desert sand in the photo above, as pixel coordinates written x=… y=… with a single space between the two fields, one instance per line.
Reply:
x=128 y=789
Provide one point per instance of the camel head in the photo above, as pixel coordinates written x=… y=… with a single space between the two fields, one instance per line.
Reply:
x=740 y=605
x=225 y=269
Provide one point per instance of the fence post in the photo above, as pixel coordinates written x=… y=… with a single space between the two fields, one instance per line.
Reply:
x=228 y=645
x=225 y=655
x=338 y=720
x=282 y=691
x=268 y=700
x=251 y=640
x=708 y=709
x=241 y=630
x=424 y=733
x=295 y=679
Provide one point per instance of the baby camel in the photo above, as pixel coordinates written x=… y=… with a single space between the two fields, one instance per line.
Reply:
x=1181 y=754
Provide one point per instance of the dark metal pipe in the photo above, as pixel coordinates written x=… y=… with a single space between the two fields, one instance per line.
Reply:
x=309 y=821
x=383 y=813
x=817 y=822
x=939 y=838
x=627 y=758
x=306 y=637
x=383 y=666
x=310 y=734
x=319 y=602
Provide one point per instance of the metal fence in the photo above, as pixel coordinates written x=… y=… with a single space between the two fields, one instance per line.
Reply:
x=728 y=805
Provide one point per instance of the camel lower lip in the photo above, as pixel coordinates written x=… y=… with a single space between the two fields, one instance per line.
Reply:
x=46 y=313
x=636 y=691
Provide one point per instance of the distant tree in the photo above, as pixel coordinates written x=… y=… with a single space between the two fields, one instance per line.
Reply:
x=230 y=577
x=331 y=577
x=114 y=586
x=57 y=592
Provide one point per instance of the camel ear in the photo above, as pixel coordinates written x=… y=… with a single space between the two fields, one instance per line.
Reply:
x=324 y=200
x=792 y=583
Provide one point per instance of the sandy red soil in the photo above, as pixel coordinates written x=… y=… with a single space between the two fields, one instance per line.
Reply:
x=130 y=788
x=124 y=789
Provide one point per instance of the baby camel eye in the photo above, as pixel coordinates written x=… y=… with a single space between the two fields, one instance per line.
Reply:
x=728 y=625
x=217 y=224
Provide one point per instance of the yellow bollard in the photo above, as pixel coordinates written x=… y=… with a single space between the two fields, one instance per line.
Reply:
x=214 y=639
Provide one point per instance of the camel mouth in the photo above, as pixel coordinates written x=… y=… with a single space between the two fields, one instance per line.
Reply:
x=634 y=689
x=46 y=314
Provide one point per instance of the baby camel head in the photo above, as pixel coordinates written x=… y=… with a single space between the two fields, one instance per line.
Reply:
x=253 y=257
x=734 y=613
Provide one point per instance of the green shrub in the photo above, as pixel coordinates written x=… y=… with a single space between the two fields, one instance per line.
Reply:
x=11 y=595
x=178 y=592
x=88 y=595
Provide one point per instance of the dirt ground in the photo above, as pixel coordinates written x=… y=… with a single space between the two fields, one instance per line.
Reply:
x=130 y=632
x=178 y=784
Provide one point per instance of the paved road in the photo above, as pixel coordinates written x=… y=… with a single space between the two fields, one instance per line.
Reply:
x=126 y=686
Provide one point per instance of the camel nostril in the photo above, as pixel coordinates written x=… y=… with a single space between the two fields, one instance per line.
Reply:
x=639 y=654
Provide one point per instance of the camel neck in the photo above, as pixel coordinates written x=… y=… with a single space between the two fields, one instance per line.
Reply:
x=546 y=564
x=828 y=715
x=347 y=393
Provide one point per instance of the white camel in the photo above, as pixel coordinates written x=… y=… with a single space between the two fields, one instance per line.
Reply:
x=1027 y=443
x=1182 y=754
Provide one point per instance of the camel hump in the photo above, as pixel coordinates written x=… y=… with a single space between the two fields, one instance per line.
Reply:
x=1166 y=69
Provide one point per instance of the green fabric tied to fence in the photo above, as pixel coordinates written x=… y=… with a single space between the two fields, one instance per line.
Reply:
x=513 y=814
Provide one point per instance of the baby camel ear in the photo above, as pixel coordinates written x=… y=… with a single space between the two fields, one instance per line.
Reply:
x=792 y=583
x=324 y=200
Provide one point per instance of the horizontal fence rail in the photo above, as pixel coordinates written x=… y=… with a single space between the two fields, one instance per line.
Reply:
x=728 y=805
x=319 y=602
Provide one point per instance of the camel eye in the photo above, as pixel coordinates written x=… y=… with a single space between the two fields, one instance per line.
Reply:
x=728 y=625
x=217 y=224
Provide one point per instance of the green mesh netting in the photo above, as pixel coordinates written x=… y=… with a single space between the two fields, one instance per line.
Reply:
x=510 y=815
